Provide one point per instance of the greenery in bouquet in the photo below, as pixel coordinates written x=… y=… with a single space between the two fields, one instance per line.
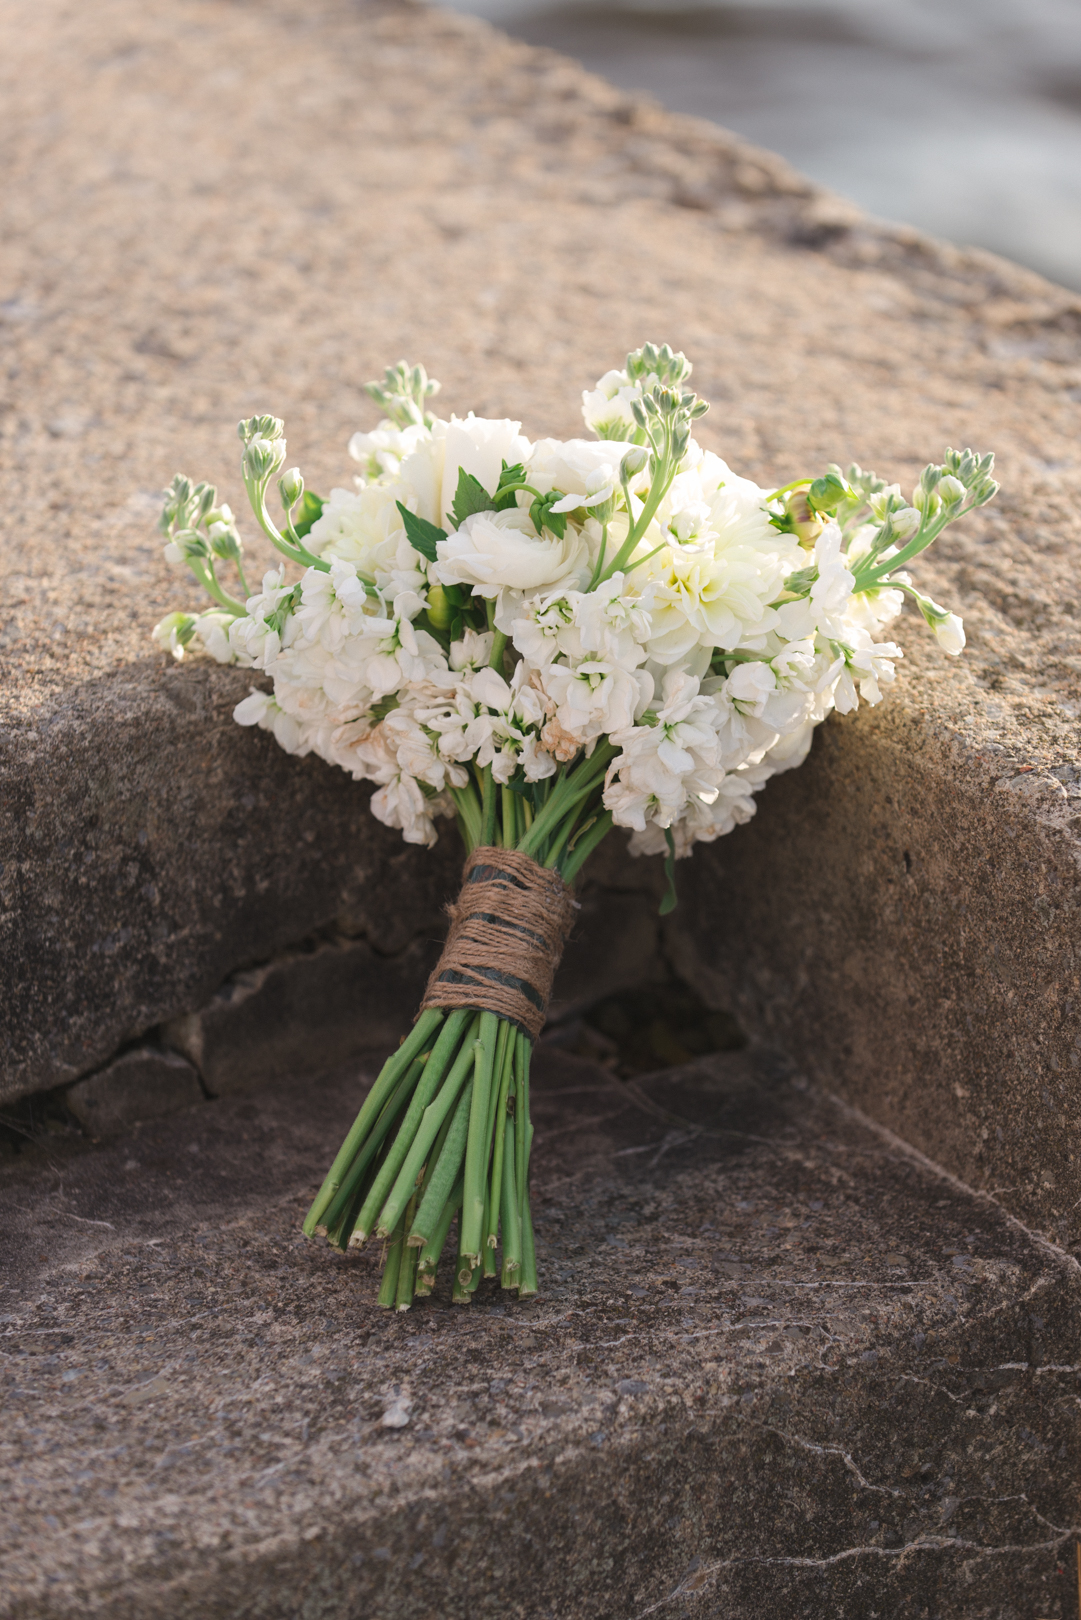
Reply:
x=540 y=641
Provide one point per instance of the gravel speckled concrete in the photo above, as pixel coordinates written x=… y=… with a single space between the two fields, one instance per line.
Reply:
x=774 y=1359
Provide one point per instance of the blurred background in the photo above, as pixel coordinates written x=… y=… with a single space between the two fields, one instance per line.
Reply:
x=962 y=117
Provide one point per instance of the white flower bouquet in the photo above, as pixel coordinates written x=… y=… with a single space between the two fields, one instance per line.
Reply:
x=540 y=641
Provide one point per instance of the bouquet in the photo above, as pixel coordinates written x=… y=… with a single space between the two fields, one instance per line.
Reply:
x=540 y=641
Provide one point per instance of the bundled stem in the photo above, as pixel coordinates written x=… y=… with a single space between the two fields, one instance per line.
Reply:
x=444 y=1135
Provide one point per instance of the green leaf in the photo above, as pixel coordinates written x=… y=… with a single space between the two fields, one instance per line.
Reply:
x=422 y=535
x=308 y=511
x=470 y=496
x=670 y=900
x=544 y=518
x=506 y=495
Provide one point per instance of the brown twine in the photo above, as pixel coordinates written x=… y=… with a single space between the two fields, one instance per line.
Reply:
x=507 y=933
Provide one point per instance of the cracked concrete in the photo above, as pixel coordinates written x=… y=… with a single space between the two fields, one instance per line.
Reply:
x=776 y=1357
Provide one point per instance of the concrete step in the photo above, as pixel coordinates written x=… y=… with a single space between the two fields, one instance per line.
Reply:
x=776 y=1357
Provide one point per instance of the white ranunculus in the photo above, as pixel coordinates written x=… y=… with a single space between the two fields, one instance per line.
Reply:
x=478 y=445
x=570 y=464
x=496 y=551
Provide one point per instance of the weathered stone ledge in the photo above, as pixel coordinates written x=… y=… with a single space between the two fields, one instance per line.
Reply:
x=151 y=851
x=775 y=1358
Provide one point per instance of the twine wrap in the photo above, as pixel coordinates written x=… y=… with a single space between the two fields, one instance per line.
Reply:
x=507 y=933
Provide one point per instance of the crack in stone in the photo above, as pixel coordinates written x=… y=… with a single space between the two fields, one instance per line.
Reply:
x=697 y=1579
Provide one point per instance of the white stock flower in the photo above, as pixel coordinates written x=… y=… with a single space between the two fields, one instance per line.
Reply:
x=607 y=408
x=596 y=697
x=262 y=710
x=495 y=551
x=333 y=605
x=663 y=764
x=546 y=628
x=611 y=622
x=382 y=451
x=213 y=631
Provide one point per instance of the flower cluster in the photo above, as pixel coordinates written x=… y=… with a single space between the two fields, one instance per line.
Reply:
x=479 y=611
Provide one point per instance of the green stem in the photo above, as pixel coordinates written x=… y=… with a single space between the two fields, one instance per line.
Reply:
x=391 y=1072
x=429 y=1256
x=427 y=1131
x=508 y=1066
x=511 y=1214
x=445 y=1174
x=369 y=1148
x=584 y=847
x=571 y=790
x=407 y=1263
x=476 y=1153
x=491 y=801
x=434 y=1070
x=388 y=1288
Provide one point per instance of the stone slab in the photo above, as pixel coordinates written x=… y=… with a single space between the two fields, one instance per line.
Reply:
x=143 y=1084
x=776 y=1359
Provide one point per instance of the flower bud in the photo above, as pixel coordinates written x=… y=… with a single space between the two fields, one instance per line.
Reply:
x=806 y=523
x=905 y=522
x=290 y=488
x=224 y=541
x=174 y=632
x=634 y=462
x=951 y=489
x=185 y=543
x=262 y=458
x=440 y=608
x=951 y=635
x=948 y=628
x=260 y=427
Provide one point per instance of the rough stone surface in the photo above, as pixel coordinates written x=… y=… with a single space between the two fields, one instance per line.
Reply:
x=776 y=1358
x=302 y=1014
x=143 y=1084
x=907 y=926
x=149 y=849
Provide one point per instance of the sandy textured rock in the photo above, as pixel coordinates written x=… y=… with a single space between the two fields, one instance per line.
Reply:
x=775 y=1359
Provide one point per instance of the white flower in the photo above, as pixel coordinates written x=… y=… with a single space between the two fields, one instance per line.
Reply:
x=493 y=551
x=611 y=622
x=546 y=628
x=401 y=802
x=950 y=633
x=479 y=446
x=382 y=451
x=260 y=709
x=596 y=697
x=664 y=764
x=607 y=408
x=356 y=525
x=333 y=605
x=833 y=587
x=213 y=631
x=473 y=651
x=252 y=639
x=576 y=466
